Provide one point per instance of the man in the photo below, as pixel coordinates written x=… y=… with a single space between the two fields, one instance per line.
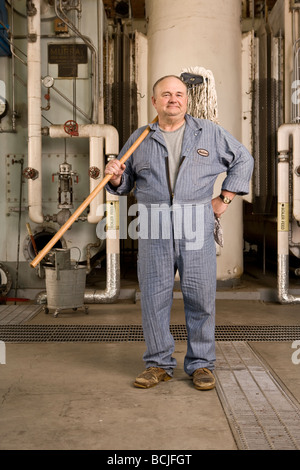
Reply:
x=174 y=170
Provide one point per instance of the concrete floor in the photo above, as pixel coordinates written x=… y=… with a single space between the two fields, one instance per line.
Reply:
x=71 y=396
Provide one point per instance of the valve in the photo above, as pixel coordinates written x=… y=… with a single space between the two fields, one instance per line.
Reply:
x=71 y=128
x=30 y=173
x=65 y=185
x=94 y=172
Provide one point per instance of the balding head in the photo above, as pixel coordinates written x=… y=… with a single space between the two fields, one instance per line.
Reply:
x=164 y=78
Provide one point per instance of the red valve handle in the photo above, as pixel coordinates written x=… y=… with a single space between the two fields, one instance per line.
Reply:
x=71 y=128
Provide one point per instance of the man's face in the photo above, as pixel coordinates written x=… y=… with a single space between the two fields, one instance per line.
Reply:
x=170 y=98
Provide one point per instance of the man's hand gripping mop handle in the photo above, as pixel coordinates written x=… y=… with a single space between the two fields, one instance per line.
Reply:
x=87 y=201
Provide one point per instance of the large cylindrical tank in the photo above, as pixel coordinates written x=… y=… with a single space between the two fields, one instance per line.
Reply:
x=201 y=33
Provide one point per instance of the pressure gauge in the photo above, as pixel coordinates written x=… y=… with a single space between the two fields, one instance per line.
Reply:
x=48 y=81
x=3 y=107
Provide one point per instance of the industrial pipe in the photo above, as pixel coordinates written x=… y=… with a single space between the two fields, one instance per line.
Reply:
x=283 y=222
x=87 y=201
x=96 y=133
x=285 y=132
x=112 y=290
x=34 y=114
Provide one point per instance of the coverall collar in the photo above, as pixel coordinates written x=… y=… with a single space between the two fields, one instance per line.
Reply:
x=193 y=127
x=190 y=121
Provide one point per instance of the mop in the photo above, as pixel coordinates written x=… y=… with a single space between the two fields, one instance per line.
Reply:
x=202 y=103
x=201 y=92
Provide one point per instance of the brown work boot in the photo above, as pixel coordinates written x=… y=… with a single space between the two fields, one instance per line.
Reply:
x=203 y=379
x=151 y=377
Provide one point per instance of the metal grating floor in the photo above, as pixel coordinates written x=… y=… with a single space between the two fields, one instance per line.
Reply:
x=17 y=314
x=260 y=412
x=21 y=333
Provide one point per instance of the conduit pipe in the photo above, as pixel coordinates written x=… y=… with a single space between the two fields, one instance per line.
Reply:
x=96 y=133
x=34 y=113
x=283 y=223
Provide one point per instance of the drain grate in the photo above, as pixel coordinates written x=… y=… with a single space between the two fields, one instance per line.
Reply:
x=128 y=333
x=261 y=414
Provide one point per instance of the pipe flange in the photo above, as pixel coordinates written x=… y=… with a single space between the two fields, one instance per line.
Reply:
x=110 y=157
x=32 y=37
x=31 y=9
x=283 y=156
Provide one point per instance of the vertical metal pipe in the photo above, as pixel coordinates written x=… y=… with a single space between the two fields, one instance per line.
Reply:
x=34 y=94
x=283 y=222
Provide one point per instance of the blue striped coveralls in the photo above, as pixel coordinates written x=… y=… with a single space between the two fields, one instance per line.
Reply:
x=207 y=151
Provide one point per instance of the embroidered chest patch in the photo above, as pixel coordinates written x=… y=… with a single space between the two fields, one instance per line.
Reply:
x=203 y=152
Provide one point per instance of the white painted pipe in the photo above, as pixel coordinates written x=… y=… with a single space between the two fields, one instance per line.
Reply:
x=283 y=206
x=284 y=133
x=111 y=293
x=34 y=114
x=108 y=132
x=96 y=160
x=283 y=223
x=97 y=133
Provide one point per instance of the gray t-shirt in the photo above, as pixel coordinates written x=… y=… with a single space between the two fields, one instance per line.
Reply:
x=173 y=141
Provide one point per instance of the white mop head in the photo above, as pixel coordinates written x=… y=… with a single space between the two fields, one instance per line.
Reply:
x=202 y=97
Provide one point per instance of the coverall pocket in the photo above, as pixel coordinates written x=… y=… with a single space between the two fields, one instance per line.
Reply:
x=143 y=172
x=200 y=168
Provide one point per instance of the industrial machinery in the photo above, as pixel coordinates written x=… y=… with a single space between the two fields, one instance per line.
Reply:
x=75 y=81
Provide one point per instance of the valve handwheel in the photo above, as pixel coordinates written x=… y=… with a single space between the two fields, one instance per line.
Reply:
x=71 y=128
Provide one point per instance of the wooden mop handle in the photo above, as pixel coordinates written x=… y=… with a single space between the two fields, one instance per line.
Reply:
x=87 y=201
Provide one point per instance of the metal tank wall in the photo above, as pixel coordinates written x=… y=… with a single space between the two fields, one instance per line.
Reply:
x=204 y=34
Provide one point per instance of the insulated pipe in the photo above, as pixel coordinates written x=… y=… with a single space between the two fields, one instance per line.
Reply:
x=112 y=290
x=96 y=133
x=108 y=132
x=283 y=225
x=34 y=113
x=96 y=160
x=284 y=133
